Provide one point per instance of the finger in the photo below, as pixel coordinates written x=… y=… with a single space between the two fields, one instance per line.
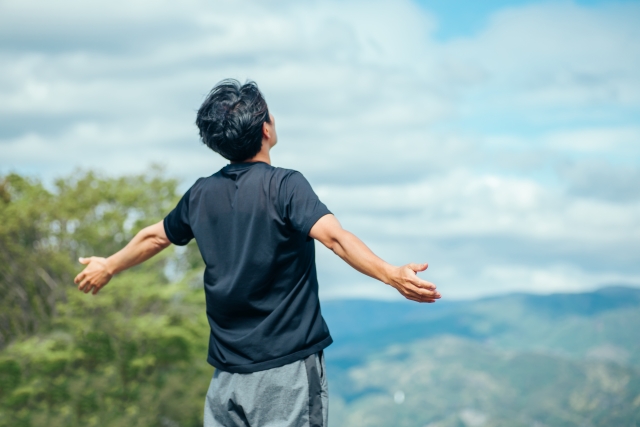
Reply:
x=88 y=288
x=420 y=299
x=414 y=293
x=84 y=260
x=83 y=284
x=425 y=293
x=416 y=281
x=95 y=290
x=418 y=267
x=79 y=278
x=413 y=297
x=430 y=290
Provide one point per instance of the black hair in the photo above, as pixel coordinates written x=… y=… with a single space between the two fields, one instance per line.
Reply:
x=230 y=119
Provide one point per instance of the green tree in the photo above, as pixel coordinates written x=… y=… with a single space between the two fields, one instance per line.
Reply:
x=134 y=355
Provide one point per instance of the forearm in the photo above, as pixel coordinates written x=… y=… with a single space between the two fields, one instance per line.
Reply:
x=355 y=253
x=99 y=271
x=143 y=246
x=352 y=250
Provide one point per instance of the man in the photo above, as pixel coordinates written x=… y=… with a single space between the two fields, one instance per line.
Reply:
x=255 y=227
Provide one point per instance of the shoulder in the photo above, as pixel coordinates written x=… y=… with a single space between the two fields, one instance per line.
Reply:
x=286 y=175
x=293 y=184
x=290 y=180
x=200 y=184
x=284 y=171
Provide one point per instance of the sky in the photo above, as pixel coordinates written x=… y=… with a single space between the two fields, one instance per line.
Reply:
x=499 y=141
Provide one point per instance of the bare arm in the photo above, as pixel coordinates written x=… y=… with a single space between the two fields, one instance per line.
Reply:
x=354 y=252
x=147 y=243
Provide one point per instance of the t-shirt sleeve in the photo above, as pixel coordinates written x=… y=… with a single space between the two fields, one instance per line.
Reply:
x=301 y=206
x=176 y=223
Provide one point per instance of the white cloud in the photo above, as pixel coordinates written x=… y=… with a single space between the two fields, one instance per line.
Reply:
x=463 y=204
x=596 y=140
x=469 y=152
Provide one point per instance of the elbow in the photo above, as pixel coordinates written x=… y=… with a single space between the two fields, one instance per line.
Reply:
x=161 y=243
x=154 y=239
x=334 y=242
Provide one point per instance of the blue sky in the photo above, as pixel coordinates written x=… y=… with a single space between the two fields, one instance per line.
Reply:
x=460 y=18
x=464 y=18
x=498 y=141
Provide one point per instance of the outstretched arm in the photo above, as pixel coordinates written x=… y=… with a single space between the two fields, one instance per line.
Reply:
x=148 y=242
x=354 y=252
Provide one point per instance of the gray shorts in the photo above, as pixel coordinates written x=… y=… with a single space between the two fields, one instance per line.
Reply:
x=293 y=395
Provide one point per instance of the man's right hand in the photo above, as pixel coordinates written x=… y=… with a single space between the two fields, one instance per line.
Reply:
x=95 y=275
x=147 y=243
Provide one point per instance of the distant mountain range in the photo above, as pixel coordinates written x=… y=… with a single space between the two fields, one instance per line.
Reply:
x=519 y=359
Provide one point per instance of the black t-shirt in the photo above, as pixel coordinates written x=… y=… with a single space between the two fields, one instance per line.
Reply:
x=252 y=222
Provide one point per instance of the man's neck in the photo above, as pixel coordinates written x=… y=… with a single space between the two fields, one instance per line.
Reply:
x=262 y=156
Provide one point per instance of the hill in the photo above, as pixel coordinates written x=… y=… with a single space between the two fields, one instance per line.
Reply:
x=554 y=360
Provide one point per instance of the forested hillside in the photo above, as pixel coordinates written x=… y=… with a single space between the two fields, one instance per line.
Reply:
x=134 y=355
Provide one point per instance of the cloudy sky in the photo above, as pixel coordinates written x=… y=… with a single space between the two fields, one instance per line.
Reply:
x=497 y=140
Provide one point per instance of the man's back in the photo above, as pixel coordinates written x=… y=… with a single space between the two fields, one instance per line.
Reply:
x=251 y=222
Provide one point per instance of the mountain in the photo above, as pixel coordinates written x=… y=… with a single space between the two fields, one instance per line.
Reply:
x=534 y=360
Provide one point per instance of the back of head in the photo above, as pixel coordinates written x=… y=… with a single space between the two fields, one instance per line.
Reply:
x=231 y=118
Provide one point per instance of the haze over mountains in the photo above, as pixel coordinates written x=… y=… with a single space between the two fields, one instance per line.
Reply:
x=514 y=360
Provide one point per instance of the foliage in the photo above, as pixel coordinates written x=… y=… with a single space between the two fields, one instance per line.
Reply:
x=133 y=355
x=43 y=232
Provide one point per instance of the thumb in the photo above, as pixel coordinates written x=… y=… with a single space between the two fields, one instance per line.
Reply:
x=84 y=260
x=418 y=267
